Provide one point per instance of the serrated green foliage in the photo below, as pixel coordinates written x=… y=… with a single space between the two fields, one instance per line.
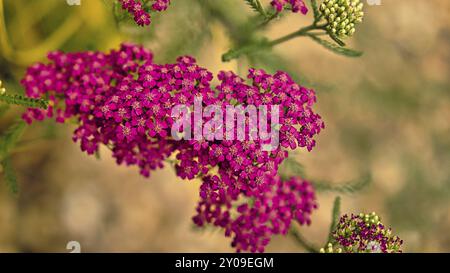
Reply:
x=335 y=48
x=344 y=188
x=291 y=168
x=336 y=39
x=335 y=215
x=24 y=101
x=272 y=62
x=119 y=14
x=249 y=50
x=256 y=6
x=10 y=138
x=188 y=39
x=316 y=11
x=9 y=175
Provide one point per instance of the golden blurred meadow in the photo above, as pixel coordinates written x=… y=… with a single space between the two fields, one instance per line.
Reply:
x=387 y=113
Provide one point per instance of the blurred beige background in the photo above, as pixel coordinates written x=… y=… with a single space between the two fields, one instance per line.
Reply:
x=386 y=113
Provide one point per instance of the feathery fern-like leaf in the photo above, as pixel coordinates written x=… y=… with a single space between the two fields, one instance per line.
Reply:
x=256 y=6
x=344 y=188
x=9 y=139
x=24 y=101
x=336 y=214
x=316 y=11
x=336 y=49
x=291 y=167
x=9 y=175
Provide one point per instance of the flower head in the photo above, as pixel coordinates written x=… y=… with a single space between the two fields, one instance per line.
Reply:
x=137 y=9
x=294 y=5
x=123 y=100
x=363 y=233
x=342 y=16
x=271 y=211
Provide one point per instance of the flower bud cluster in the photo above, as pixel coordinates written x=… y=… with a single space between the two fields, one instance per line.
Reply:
x=271 y=211
x=363 y=233
x=294 y=5
x=138 y=11
x=342 y=16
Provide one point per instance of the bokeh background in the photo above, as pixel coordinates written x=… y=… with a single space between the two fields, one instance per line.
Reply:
x=387 y=114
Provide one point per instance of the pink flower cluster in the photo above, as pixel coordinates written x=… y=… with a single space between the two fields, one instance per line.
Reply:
x=137 y=10
x=123 y=100
x=365 y=233
x=295 y=5
x=272 y=210
x=142 y=17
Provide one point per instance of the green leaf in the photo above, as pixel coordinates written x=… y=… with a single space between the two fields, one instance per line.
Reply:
x=290 y=168
x=336 y=214
x=248 y=49
x=336 y=49
x=256 y=6
x=10 y=138
x=24 y=101
x=317 y=14
x=9 y=175
x=336 y=39
x=344 y=188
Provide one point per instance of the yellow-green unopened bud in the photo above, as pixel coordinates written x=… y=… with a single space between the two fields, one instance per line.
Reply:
x=330 y=249
x=346 y=13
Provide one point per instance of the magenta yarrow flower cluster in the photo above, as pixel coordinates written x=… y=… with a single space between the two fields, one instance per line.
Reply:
x=141 y=15
x=123 y=100
x=271 y=209
x=294 y=5
x=137 y=9
x=363 y=233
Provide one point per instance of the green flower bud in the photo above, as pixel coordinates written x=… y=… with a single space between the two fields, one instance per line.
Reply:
x=347 y=13
x=330 y=249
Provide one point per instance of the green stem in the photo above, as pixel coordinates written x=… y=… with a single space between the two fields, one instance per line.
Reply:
x=298 y=33
x=317 y=14
x=261 y=8
x=264 y=45
x=335 y=215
